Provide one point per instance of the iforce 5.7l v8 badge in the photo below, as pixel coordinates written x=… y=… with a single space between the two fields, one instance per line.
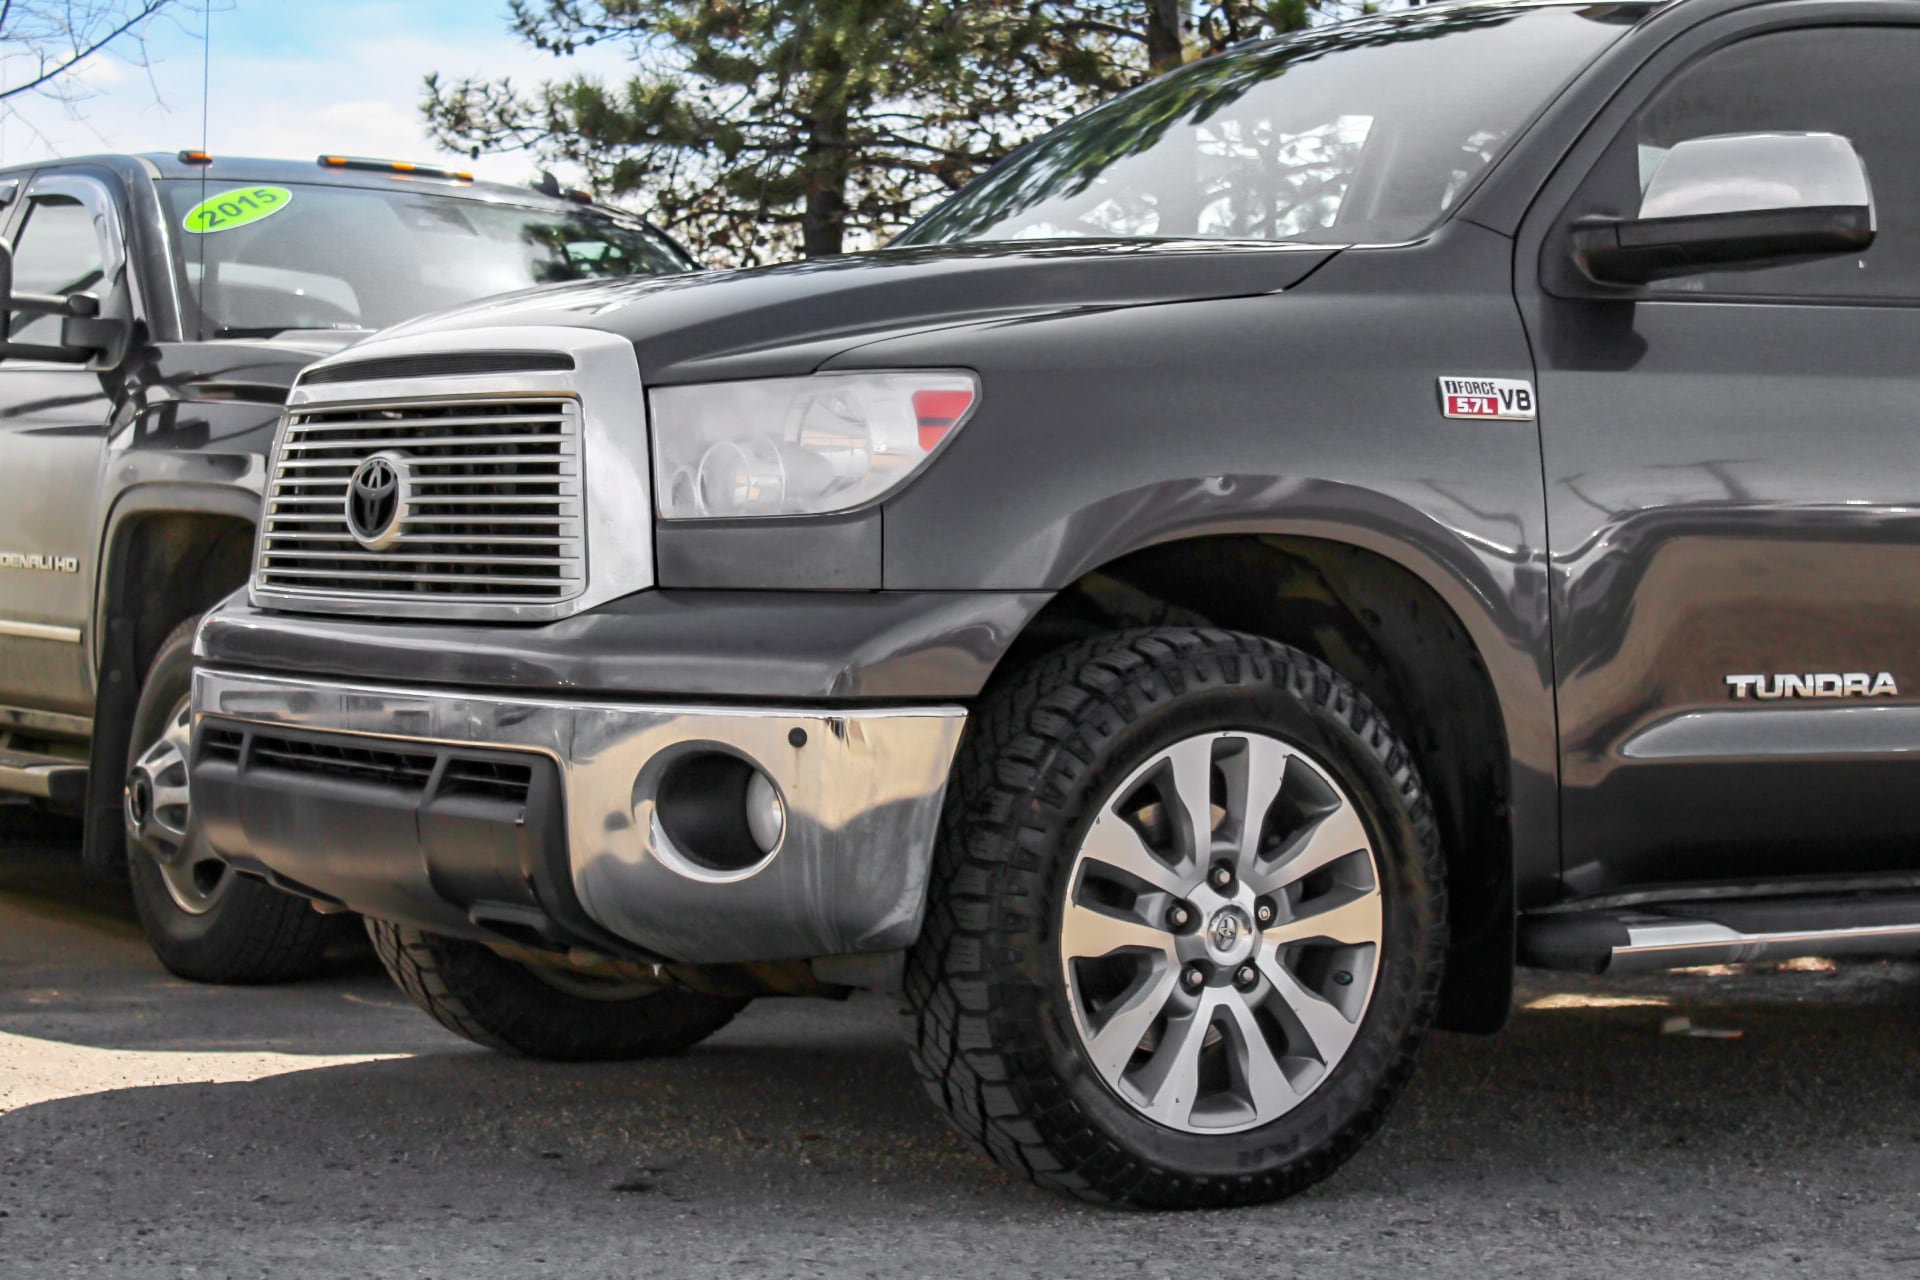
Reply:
x=1494 y=399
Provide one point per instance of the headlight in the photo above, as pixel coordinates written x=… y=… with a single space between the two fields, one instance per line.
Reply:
x=799 y=446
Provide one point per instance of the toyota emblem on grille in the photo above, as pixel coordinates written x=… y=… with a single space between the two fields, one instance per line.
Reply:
x=377 y=501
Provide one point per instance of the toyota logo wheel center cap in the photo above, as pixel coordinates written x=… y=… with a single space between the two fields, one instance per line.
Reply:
x=1230 y=934
x=377 y=501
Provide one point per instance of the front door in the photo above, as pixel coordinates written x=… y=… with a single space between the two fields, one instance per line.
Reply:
x=55 y=418
x=1733 y=478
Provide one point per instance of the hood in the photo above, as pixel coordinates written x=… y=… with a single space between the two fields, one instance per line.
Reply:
x=790 y=319
x=252 y=369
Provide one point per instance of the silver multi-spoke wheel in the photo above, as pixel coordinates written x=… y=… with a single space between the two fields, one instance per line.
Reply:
x=158 y=813
x=1221 y=932
x=1187 y=921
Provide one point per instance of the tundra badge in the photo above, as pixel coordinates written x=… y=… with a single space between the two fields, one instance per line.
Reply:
x=1823 y=684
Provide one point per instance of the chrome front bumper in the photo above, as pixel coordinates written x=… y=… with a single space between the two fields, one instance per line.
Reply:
x=862 y=791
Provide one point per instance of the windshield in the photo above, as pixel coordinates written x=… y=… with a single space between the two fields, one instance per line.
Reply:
x=261 y=258
x=1369 y=133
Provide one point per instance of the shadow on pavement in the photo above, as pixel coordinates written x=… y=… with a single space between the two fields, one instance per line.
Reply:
x=1579 y=1142
x=75 y=968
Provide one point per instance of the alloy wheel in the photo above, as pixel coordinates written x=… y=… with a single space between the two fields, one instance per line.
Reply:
x=1221 y=932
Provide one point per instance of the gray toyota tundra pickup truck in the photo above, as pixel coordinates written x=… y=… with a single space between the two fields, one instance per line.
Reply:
x=158 y=309
x=1351 y=516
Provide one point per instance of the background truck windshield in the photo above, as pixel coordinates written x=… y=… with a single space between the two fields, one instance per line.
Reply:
x=1370 y=133
x=328 y=257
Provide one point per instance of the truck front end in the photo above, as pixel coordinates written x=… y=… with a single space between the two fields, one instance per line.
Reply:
x=456 y=698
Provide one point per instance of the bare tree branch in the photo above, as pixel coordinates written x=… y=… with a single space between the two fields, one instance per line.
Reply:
x=58 y=36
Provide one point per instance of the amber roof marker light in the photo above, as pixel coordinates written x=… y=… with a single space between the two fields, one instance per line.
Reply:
x=195 y=157
x=370 y=165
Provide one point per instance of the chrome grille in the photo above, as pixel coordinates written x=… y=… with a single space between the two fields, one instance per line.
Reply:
x=494 y=512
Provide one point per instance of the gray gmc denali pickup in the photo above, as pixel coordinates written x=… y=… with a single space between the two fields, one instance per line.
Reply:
x=156 y=311
x=1349 y=517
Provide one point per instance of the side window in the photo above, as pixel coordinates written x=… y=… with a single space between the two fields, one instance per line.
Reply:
x=58 y=252
x=1859 y=82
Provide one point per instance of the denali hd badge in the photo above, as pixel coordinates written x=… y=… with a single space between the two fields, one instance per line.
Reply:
x=39 y=561
x=1495 y=399
x=1820 y=684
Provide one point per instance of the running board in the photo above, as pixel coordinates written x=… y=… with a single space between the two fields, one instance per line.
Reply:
x=1681 y=935
x=25 y=773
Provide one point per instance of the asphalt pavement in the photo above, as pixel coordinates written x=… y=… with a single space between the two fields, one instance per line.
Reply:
x=149 y=1127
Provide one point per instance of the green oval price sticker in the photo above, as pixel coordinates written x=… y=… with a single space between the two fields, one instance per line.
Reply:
x=235 y=208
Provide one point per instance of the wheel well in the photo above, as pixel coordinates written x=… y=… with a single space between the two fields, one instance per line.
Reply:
x=1393 y=636
x=168 y=566
x=162 y=567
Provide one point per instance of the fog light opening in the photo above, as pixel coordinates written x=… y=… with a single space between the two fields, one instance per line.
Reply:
x=766 y=812
x=718 y=815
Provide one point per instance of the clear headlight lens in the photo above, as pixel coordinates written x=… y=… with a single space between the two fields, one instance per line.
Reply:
x=799 y=446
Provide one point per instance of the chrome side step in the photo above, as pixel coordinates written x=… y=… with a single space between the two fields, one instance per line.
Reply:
x=52 y=778
x=1678 y=944
x=1727 y=932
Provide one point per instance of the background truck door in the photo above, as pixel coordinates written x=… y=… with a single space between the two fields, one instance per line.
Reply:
x=1733 y=483
x=55 y=419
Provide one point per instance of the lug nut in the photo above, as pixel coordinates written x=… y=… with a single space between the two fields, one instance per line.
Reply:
x=1245 y=976
x=1264 y=913
x=1195 y=977
x=1343 y=978
x=1178 y=917
x=1222 y=877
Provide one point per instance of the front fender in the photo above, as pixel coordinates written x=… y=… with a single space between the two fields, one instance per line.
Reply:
x=1497 y=592
x=1311 y=412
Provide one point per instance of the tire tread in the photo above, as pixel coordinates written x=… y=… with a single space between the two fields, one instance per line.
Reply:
x=983 y=1062
x=494 y=1002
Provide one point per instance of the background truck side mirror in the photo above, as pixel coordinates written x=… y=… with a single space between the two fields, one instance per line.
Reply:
x=1737 y=201
x=85 y=337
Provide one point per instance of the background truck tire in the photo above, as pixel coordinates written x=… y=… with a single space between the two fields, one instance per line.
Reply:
x=1062 y=746
x=203 y=921
x=495 y=1002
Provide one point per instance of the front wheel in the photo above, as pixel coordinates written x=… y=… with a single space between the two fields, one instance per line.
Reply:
x=1187 y=923
x=541 y=1011
x=203 y=921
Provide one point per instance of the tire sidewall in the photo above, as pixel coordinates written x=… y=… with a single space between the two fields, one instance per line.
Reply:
x=1400 y=1005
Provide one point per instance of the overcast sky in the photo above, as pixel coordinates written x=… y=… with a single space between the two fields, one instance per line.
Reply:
x=290 y=78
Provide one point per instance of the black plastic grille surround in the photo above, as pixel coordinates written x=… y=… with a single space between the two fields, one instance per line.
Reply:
x=365 y=762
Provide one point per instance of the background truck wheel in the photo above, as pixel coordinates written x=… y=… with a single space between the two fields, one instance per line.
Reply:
x=1187 y=922
x=204 y=922
x=556 y=1015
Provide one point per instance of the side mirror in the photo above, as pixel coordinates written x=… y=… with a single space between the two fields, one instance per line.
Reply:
x=84 y=335
x=1737 y=201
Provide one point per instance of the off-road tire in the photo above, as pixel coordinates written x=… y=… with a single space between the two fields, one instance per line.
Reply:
x=474 y=992
x=994 y=1037
x=253 y=933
